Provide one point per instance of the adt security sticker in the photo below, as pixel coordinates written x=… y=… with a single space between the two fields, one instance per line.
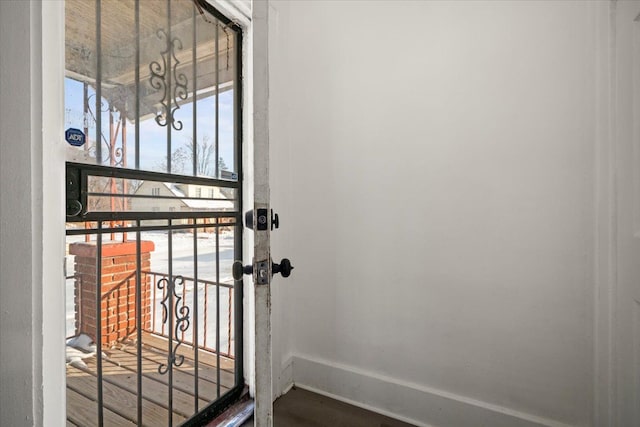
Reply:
x=75 y=137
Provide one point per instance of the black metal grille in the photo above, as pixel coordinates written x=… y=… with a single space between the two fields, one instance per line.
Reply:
x=155 y=323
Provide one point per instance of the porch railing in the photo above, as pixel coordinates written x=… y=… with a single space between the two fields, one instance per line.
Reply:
x=210 y=294
x=214 y=300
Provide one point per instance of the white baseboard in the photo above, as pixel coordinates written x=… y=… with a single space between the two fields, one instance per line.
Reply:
x=285 y=379
x=412 y=403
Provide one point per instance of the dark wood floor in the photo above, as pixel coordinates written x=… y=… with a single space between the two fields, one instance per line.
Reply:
x=298 y=408
x=301 y=408
x=120 y=386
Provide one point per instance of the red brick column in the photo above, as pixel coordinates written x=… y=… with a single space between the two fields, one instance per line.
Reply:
x=117 y=288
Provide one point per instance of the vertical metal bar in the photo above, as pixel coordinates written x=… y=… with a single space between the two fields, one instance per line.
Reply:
x=237 y=111
x=139 y=314
x=238 y=286
x=125 y=182
x=206 y=312
x=170 y=324
x=196 y=346
x=112 y=137
x=229 y=321
x=184 y=302
x=98 y=82
x=99 y=321
x=153 y=304
x=137 y=78
x=80 y=305
x=164 y=294
x=85 y=109
x=218 y=306
x=99 y=236
x=85 y=120
x=169 y=86
x=194 y=79
x=123 y=126
x=112 y=161
x=217 y=137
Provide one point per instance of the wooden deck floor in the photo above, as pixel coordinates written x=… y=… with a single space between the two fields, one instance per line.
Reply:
x=120 y=385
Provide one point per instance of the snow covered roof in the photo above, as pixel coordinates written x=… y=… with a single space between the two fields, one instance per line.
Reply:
x=199 y=203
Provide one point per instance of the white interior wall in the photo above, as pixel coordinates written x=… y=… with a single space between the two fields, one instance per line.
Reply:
x=440 y=160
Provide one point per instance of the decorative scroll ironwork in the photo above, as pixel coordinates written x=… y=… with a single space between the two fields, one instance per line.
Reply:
x=114 y=154
x=174 y=91
x=158 y=79
x=182 y=318
x=180 y=86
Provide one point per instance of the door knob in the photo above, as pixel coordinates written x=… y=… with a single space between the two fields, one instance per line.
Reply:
x=284 y=268
x=238 y=270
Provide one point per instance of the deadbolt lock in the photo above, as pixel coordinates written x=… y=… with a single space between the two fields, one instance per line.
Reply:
x=262 y=219
x=74 y=196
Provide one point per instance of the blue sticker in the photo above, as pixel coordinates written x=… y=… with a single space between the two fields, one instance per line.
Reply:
x=75 y=137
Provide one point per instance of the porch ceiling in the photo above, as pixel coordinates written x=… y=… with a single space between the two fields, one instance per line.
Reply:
x=118 y=49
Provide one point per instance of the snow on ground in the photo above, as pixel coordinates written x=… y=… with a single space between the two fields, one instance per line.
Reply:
x=182 y=254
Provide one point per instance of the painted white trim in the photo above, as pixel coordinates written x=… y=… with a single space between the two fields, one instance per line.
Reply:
x=263 y=414
x=51 y=178
x=38 y=250
x=405 y=401
x=285 y=377
x=288 y=388
x=238 y=11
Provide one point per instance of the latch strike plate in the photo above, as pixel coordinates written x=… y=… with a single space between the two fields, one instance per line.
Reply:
x=262 y=271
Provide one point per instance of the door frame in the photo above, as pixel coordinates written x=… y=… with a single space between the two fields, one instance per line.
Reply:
x=46 y=48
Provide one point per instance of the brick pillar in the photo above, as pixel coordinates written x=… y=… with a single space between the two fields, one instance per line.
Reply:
x=118 y=288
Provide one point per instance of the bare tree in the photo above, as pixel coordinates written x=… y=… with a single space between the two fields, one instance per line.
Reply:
x=204 y=152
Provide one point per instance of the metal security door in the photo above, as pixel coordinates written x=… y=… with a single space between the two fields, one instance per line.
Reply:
x=154 y=192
